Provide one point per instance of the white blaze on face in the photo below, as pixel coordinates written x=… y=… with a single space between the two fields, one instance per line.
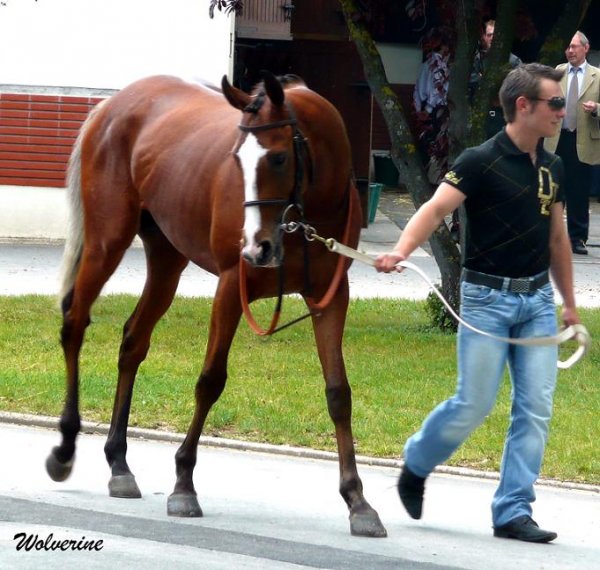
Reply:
x=249 y=154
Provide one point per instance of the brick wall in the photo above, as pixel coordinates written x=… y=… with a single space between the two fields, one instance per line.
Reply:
x=37 y=133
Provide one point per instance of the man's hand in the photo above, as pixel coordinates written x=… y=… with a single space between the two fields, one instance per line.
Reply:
x=590 y=107
x=387 y=262
x=570 y=317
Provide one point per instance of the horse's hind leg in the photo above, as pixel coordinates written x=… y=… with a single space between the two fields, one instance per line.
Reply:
x=328 y=327
x=96 y=265
x=164 y=265
x=225 y=317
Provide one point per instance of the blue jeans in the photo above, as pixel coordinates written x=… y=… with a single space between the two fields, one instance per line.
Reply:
x=481 y=363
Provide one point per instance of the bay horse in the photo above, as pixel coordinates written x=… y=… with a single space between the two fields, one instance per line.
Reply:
x=211 y=176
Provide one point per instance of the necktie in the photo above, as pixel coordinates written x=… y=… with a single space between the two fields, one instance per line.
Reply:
x=571 y=116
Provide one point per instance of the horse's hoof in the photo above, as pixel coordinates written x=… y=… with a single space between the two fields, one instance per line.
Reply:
x=58 y=471
x=367 y=524
x=180 y=505
x=124 y=487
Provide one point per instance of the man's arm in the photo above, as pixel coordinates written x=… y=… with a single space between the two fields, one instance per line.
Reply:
x=425 y=221
x=561 y=264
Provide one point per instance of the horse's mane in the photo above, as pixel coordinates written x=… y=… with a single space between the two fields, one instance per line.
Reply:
x=291 y=80
x=287 y=81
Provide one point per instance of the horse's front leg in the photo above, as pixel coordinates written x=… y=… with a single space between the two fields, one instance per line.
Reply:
x=225 y=317
x=328 y=328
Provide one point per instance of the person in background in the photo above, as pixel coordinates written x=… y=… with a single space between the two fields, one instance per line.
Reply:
x=578 y=142
x=495 y=119
x=512 y=191
x=430 y=99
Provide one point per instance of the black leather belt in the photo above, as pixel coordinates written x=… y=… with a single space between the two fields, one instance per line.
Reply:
x=509 y=284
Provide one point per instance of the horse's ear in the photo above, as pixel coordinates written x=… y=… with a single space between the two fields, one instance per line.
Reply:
x=236 y=97
x=273 y=88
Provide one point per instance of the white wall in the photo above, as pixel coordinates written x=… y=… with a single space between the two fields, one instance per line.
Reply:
x=109 y=43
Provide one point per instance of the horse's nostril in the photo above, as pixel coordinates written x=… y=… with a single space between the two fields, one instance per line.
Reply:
x=266 y=252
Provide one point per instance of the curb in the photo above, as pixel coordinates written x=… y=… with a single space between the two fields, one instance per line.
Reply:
x=48 y=422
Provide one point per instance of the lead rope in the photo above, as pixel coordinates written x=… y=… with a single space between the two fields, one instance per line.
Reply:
x=577 y=332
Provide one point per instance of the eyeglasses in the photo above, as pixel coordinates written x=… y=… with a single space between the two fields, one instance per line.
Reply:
x=555 y=103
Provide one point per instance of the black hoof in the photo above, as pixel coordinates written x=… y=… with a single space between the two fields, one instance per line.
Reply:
x=58 y=471
x=124 y=487
x=181 y=505
x=367 y=523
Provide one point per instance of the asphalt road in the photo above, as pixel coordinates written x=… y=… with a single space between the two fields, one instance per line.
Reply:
x=265 y=511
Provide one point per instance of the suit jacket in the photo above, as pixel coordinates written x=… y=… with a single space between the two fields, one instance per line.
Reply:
x=588 y=127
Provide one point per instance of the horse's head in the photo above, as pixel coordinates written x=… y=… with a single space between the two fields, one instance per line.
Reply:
x=268 y=151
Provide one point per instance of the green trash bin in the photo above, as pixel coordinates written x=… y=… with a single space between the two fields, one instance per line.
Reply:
x=374 y=193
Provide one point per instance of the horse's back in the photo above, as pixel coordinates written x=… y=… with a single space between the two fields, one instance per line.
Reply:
x=161 y=144
x=152 y=117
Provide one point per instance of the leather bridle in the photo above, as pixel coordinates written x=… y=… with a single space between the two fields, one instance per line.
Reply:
x=293 y=202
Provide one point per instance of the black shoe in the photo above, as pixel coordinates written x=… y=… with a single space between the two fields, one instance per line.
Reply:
x=524 y=528
x=411 y=489
x=579 y=248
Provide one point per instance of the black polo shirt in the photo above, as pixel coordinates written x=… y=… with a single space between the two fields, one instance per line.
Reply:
x=507 y=206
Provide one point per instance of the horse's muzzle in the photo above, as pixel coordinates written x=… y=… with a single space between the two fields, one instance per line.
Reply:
x=262 y=254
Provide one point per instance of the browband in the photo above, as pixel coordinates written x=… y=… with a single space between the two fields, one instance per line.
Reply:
x=267 y=126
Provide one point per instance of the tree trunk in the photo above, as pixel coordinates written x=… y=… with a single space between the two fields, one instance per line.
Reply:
x=467 y=34
x=553 y=51
x=496 y=69
x=404 y=148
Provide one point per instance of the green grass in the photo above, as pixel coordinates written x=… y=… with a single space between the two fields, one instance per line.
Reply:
x=399 y=369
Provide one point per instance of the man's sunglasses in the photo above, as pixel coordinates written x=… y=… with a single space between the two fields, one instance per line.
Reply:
x=555 y=103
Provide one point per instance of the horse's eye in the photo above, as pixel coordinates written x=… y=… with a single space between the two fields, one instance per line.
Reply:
x=277 y=158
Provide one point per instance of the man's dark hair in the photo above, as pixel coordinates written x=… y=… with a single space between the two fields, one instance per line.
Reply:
x=524 y=81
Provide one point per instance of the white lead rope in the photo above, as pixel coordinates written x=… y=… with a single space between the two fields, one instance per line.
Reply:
x=577 y=332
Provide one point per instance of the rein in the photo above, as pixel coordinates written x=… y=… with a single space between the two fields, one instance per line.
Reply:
x=577 y=332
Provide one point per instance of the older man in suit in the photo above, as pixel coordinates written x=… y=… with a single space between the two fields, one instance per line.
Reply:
x=578 y=142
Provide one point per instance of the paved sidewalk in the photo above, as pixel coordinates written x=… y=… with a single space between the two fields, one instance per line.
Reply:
x=30 y=263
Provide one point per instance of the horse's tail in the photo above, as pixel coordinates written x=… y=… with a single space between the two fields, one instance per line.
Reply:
x=74 y=242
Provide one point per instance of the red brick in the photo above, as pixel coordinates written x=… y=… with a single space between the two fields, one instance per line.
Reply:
x=45 y=98
x=41 y=182
x=59 y=150
x=16 y=97
x=12 y=114
x=37 y=157
x=23 y=139
x=30 y=166
x=4 y=104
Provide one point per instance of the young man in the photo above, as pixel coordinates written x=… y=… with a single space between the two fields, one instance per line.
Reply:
x=513 y=195
x=578 y=141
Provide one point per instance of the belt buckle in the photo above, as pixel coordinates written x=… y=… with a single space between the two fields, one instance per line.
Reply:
x=521 y=285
